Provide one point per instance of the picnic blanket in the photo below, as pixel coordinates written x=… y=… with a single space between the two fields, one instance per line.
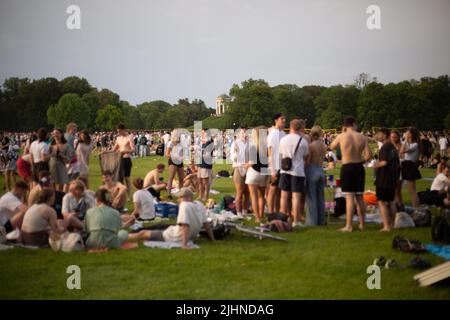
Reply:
x=369 y=218
x=168 y=245
x=441 y=251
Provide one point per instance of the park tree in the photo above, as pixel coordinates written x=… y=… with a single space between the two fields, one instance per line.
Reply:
x=132 y=117
x=109 y=117
x=70 y=108
x=76 y=85
x=253 y=104
x=334 y=104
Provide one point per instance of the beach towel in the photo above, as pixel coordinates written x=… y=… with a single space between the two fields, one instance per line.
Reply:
x=168 y=245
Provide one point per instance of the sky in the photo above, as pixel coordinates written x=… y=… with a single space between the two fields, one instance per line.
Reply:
x=171 y=49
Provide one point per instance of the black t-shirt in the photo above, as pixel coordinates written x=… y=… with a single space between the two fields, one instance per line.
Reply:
x=207 y=155
x=387 y=176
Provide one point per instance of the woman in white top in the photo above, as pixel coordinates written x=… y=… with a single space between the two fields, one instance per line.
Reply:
x=240 y=155
x=144 y=204
x=174 y=154
x=40 y=220
x=39 y=154
x=83 y=152
x=410 y=169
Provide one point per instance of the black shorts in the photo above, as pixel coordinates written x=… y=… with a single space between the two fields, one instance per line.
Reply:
x=8 y=227
x=410 y=171
x=38 y=167
x=385 y=194
x=291 y=183
x=353 y=178
x=126 y=165
x=179 y=165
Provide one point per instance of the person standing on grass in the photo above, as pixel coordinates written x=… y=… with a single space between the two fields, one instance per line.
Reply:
x=257 y=171
x=40 y=154
x=125 y=145
x=83 y=151
x=11 y=167
x=191 y=219
x=60 y=155
x=205 y=165
x=240 y=155
x=273 y=143
x=443 y=143
x=355 y=152
x=174 y=154
x=386 y=178
x=292 y=180
x=410 y=167
x=396 y=141
x=72 y=164
x=315 y=178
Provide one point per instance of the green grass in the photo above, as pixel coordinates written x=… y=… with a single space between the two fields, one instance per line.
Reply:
x=316 y=263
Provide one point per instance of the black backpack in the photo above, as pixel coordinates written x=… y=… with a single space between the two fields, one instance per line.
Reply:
x=440 y=228
x=223 y=174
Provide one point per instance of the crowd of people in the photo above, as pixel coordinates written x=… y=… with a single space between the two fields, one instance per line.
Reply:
x=275 y=170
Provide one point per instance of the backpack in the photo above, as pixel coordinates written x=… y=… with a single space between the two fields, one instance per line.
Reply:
x=279 y=226
x=403 y=220
x=223 y=174
x=405 y=245
x=143 y=141
x=420 y=216
x=440 y=228
x=431 y=198
x=220 y=231
x=339 y=206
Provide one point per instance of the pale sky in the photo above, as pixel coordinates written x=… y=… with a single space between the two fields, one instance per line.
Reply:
x=171 y=49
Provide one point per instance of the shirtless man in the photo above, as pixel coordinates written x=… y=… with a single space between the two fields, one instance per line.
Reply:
x=125 y=145
x=355 y=151
x=152 y=181
x=117 y=191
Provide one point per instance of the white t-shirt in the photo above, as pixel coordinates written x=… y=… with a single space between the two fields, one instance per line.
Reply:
x=9 y=204
x=38 y=149
x=273 y=141
x=239 y=152
x=166 y=138
x=287 y=147
x=439 y=183
x=145 y=199
x=413 y=154
x=190 y=213
x=70 y=203
x=442 y=143
x=176 y=153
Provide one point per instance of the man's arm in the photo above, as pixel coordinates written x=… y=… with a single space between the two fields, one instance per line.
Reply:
x=334 y=144
x=367 y=151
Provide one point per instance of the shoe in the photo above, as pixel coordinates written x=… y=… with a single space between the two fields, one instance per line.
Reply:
x=298 y=225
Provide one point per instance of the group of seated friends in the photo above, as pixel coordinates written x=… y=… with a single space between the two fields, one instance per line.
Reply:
x=98 y=216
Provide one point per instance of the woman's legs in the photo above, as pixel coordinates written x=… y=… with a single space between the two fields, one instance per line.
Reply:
x=261 y=193
x=411 y=185
x=255 y=204
x=238 y=197
x=172 y=171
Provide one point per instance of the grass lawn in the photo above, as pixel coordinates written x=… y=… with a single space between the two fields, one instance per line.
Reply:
x=316 y=263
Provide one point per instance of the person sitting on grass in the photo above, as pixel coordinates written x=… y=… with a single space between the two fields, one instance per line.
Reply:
x=103 y=224
x=117 y=191
x=191 y=180
x=144 y=205
x=153 y=181
x=12 y=207
x=191 y=219
x=76 y=203
x=40 y=220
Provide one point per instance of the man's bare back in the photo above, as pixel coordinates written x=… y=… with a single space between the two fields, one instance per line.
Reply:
x=354 y=147
x=152 y=178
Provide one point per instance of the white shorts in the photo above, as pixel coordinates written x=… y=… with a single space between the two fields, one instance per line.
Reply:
x=254 y=177
x=204 y=173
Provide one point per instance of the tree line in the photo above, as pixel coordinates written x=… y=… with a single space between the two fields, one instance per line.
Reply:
x=423 y=103
x=26 y=105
